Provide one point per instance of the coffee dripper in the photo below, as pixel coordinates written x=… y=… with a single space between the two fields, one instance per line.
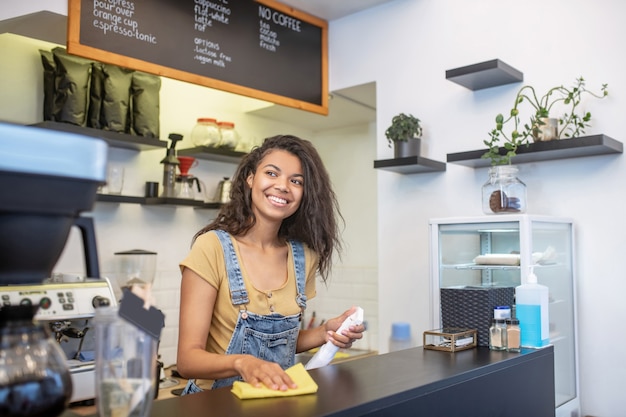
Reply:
x=185 y=181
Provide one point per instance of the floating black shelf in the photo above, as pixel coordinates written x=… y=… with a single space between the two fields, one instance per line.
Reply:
x=155 y=201
x=212 y=154
x=545 y=151
x=410 y=165
x=113 y=139
x=485 y=75
x=116 y=198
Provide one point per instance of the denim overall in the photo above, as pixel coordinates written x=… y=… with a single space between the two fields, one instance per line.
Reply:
x=273 y=337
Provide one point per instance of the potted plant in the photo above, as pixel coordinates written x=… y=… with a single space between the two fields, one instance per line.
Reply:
x=404 y=135
x=504 y=192
x=569 y=125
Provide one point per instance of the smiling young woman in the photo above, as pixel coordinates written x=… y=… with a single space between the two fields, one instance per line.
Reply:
x=249 y=273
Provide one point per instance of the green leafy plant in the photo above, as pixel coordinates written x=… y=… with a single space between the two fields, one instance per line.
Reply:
x=403 y=127
x=571 y=124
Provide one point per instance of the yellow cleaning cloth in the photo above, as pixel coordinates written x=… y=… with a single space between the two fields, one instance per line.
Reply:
x=300 y=376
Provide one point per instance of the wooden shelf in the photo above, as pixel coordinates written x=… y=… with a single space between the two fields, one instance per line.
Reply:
x=116 y=198
x=213 y=154
x=156 y=201
x=44 y=25
x=113 y=139
x=410 y=165
x=545 y=151
x=485 y=75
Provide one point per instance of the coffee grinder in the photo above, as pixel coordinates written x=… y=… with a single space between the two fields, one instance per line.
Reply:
x=135 y=267
x=47 y=178
x=169 y=167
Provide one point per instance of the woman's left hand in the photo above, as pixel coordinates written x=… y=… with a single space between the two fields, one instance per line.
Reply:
x=347 y=337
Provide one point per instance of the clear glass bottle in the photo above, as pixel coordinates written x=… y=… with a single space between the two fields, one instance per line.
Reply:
x=228 y=135
x=497 y=334
x=34 y=377
x=205 y=132
x=504 y=192
x=513 y=335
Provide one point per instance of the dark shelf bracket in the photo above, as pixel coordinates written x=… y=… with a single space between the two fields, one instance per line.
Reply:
x=545 y=151
x=485 y=75
x=213 y=154
x=410 y=165
x=156 y=201
x=113 y=139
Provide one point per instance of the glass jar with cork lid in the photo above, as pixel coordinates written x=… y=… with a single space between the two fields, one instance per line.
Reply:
x=503 y=192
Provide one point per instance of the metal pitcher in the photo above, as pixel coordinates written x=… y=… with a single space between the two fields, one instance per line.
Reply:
x=222 y=194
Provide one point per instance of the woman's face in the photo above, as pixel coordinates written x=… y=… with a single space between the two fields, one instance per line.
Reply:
x=277 y=186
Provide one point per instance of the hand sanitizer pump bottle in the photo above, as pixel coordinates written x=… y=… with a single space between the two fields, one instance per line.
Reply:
x=531 y=302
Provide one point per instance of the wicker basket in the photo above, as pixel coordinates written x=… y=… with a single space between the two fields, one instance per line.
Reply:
x=472 y=307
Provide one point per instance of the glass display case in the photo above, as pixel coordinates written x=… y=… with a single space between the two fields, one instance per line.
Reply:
x=498 y=251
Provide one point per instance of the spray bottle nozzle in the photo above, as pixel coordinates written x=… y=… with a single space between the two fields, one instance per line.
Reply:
x=532 y=278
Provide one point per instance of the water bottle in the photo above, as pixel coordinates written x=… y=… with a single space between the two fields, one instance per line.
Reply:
x=531 y=309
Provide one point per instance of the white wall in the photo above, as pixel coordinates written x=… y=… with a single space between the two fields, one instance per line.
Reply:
x=406 y=47
x=348 y=154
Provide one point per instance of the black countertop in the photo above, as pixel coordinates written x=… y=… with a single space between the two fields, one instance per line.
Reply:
x=475 y=382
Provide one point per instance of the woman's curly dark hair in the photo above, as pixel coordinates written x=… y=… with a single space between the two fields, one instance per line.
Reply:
x=315 y=221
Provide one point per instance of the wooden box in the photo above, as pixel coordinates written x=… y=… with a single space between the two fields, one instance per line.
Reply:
x=450 y=339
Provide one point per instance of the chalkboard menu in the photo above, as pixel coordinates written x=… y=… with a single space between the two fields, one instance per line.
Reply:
x=262 y=49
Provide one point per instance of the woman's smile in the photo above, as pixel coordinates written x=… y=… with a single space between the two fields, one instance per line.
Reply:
x=277 y=200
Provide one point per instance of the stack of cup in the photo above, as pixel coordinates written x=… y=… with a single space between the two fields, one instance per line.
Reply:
x=126 y=362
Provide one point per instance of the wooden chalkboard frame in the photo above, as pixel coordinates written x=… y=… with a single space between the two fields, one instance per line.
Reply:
x=74 y=46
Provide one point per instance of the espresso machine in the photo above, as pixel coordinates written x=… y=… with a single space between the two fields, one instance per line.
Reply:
x=47 y=178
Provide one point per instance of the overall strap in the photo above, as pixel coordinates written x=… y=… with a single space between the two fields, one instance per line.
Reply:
x=238 y=292
x=297 y=248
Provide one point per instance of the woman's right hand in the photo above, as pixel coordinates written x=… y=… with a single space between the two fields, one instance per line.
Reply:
x=256 y=371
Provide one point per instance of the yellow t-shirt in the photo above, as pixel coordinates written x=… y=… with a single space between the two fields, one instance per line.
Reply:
x=206 y=259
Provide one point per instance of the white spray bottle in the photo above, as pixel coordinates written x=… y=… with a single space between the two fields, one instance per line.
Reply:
x=531 y=308
x=326 y=353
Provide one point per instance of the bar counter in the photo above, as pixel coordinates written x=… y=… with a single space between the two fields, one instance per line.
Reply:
x=476 y=382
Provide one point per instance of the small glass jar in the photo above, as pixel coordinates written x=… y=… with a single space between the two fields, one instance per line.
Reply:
x=228 y=135
x=497 y=335
x=504 y=192
x=502 y=312
x=205 y=132
x=513 y=334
